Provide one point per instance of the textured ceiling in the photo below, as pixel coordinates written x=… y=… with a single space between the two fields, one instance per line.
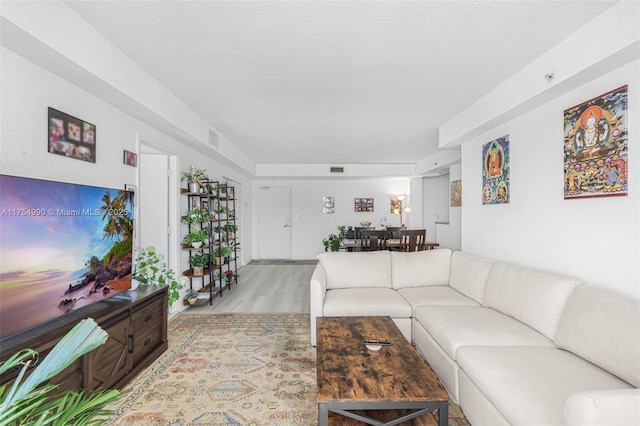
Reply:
x=334 y=82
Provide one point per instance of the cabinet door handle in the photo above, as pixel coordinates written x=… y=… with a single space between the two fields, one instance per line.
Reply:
x=146 y=342
x=131 y=343
x=147 y=318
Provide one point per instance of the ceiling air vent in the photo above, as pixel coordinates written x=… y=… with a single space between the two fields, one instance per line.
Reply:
x=213 y=138
x=336 y=170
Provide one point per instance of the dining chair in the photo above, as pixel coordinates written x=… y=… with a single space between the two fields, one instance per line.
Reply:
x=394 y=232
x=358 y=229
x=373 y=240
x=412 y=239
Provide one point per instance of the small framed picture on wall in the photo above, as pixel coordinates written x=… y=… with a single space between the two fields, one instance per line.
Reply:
x=71 y=137
x=363 y=204
x=130 y=158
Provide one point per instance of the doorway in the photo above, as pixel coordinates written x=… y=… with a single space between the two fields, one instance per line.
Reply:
x=153 y=201
x=274 y=223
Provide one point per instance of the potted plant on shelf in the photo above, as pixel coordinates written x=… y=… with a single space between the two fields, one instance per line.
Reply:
x=195 y=238
x=230 y=229
x=150 y=270
x=198 y=262
x=194 y=177
x=191 y=296
x=234 y=246
x=228 y=276
x=218 y=277
x=217 y=232
x=220 y=253
x=196 y=215
x=222 y=213
x=223 y=189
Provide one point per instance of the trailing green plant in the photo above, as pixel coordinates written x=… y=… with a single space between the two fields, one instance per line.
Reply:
x=32 y=400
x=196 y=215
x=333 y=241
x=195 y=236
x=151 y=270
x=200 y=260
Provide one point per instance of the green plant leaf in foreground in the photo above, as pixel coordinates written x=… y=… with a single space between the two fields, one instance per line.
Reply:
x=32 y=401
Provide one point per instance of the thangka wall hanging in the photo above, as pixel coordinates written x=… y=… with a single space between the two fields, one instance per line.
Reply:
x=495 y=171
x=595 y=147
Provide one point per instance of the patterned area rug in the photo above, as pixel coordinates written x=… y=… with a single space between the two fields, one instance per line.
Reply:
x=230 y=369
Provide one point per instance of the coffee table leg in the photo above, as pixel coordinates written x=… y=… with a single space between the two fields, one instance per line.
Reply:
x=323 y=415
x=443 y=414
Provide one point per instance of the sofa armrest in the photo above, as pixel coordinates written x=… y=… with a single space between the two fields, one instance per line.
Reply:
x=603 y=407
x=317 y=291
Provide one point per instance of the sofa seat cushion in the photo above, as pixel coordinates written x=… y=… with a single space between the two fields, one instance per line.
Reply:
x=420 y=268
x=453 y=327
x=359 y=269
x=530 y=385
x=365 y=302
x=435 y=295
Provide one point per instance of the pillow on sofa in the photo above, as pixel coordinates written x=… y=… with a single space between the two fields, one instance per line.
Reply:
x=357 y=269
x=420 y=268
x=469 y=274
x=534 y=297
x=603 y=328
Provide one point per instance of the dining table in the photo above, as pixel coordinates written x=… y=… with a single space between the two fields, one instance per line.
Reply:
x=392 y=243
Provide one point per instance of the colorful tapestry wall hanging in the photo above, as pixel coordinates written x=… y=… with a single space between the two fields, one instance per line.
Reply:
x=495 y=171
x=456 y=193
x=595 y=147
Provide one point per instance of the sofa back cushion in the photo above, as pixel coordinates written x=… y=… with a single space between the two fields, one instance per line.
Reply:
x=357 y=269
x=533 y=297
x=420 y=268
x=469 y=274
x=604 y=329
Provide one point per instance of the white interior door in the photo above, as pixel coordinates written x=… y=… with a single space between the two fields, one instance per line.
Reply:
x=153 y=202
x=274 y=223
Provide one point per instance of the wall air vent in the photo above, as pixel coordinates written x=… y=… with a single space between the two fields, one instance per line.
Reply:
x=336 y=170
x=213 y=138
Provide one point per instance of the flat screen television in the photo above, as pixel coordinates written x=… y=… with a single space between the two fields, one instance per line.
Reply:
x=62 y=246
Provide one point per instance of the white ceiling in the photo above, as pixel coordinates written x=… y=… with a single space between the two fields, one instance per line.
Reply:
x=333 y=82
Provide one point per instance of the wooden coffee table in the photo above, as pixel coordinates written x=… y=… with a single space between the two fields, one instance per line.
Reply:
x=386 y=387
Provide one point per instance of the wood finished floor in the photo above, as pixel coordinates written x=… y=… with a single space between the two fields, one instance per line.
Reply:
x=265 y=288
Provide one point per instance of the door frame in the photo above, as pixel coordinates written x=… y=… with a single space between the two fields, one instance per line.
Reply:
x=259 y=189
x=173 y=251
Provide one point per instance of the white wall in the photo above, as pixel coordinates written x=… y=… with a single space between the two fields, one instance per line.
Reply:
x=309 y=226
x=597 y=240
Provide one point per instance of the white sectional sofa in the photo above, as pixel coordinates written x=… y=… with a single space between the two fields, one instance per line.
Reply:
x=512 y=345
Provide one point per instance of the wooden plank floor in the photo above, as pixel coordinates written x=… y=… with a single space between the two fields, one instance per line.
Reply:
x=265 y=288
